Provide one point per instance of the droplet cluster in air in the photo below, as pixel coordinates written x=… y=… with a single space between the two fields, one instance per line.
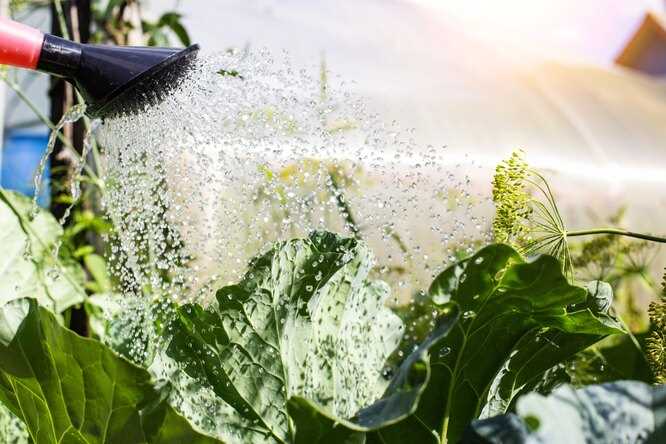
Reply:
x=248 y=149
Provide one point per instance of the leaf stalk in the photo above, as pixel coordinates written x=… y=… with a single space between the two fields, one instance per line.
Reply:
x=617 y=232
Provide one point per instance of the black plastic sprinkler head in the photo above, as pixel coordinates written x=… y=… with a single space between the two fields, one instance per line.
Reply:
x=111 y=79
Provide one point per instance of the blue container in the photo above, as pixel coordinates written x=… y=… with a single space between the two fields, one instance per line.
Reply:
x=21 y=153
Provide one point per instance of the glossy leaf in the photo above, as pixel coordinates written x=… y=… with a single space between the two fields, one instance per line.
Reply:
x=314 y=425
x=69 y=389
x=125 y=325
x=102 y=309
x=613 y=359
x=304 y=321
x=519 y=320
x=28 y=267
x=173 y=21
x=535 y=354
x=96 y=266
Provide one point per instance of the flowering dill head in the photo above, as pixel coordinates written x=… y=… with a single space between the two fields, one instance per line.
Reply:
x=530 y=224
x=512 y=200
x=656 y=342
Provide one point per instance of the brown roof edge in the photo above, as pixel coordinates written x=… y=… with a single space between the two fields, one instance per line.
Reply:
x=653 y=26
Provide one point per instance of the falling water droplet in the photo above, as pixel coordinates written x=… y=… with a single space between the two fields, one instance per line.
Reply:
x=444 y=351
x=71 y=116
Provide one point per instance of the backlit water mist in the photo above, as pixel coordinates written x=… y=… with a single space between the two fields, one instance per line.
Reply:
x=248 y=150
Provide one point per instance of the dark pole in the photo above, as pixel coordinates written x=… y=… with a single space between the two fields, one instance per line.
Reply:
x=62 y=96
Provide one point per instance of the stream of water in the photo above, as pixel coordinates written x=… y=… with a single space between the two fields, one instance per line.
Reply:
x=249 y=149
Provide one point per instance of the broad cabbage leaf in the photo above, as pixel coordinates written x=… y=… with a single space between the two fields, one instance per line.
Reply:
x=28 y=267
x=66 y=388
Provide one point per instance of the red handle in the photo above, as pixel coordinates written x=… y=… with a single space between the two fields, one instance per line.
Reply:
x=20 y=45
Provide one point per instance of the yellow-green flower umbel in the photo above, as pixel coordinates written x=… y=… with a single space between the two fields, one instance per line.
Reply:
x=656 y=342
x=512 y=201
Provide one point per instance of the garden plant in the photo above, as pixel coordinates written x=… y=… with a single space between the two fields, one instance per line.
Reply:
x=534 y=337
x=305 y=349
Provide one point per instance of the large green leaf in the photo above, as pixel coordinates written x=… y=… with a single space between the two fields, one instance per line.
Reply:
x=524 y=368
x=623 y=411
x=519 y=320
x=126 y=325
x=98 y=270
x=69 y=389
x=304 y=321
x=102 y=310
x=535 y=354
x=312 y=424
x=615 y=358
x=28 y=267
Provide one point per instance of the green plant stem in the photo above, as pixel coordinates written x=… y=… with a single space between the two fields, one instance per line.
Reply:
x=617 y=232
x=344 y=208
x=61 y=19
x=86 y=121
x=632 y=337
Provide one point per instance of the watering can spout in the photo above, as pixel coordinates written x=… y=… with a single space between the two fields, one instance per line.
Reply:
x=111 y=79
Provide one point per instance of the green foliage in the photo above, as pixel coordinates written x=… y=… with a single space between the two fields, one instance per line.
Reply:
x=16 y=6
x=519 y=320
x=158 y=32
x=315 y=180
x=304 y=321
x=618 y=357
x=418 y=317
x=84 y=227
x=230 y=73
x=133 y=337
x=626 y=264
x=96 y=266
x=71 y=389
x=303 y=350
x=625 y=411
x=269 y=334
x=314 y=424
x=29 y=266
x=612 y=259
x=114 y=21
